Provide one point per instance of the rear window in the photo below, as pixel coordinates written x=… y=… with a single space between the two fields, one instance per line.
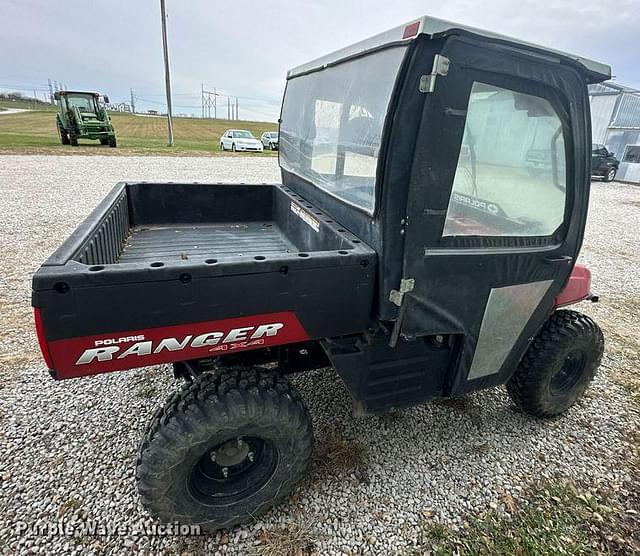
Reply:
x=332 y=123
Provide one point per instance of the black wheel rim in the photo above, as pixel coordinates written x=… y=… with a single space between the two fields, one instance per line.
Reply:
x=233 y=470
x=569 y=374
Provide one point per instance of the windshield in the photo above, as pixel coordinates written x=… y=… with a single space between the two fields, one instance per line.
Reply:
x=84 y=103
x=332 y=123
x=243 y=135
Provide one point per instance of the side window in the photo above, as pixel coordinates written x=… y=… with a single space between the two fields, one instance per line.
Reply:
x=510 y=178
x=632 y=154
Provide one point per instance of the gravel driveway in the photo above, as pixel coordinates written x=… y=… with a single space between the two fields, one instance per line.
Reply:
x=68 y=447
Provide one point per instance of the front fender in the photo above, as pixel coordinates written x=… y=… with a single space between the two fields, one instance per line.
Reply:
x=577 y=288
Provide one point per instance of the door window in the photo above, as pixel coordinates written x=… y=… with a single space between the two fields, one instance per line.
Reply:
x=510 y=178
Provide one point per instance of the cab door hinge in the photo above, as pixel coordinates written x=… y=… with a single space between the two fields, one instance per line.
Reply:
x=406 y=285
x=440 y=67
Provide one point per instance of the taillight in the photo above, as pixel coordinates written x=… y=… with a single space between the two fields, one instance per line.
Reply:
x=44 y=347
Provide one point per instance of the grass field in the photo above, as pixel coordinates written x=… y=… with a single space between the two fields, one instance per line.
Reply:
x=35 y=132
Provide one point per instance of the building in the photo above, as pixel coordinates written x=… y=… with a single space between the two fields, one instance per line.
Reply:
x=615 y=123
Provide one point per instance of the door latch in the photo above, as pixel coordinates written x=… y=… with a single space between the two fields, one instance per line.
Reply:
x=440 y=67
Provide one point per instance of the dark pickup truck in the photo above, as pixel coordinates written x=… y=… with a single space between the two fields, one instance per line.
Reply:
x=412 y=245
x=604 y=163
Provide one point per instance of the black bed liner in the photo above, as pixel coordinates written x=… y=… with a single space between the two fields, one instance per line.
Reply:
x=185 y=242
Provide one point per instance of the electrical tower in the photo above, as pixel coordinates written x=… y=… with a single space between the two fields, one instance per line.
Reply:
x=209 y=99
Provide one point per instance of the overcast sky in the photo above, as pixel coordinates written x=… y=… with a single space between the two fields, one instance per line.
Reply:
x=244 y=48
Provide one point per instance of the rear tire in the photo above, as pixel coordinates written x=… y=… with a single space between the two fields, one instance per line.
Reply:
x=558 y=366
x=610 y=174
x=224 y=449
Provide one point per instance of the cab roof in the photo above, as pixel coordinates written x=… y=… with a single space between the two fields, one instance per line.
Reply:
x=94 y=93
x=433 y=28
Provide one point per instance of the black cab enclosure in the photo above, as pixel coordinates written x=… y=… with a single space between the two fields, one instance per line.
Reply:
x=409 y=244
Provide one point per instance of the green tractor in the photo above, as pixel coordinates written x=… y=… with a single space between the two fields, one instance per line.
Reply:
x=81 y=116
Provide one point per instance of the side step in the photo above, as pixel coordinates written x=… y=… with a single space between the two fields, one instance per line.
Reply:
x=381 y=378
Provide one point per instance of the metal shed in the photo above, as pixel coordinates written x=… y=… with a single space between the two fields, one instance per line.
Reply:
x=615 y=123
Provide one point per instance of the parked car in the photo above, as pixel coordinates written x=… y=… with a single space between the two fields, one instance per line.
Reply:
x=604 y=163
x=239 y=140
x=269 y=140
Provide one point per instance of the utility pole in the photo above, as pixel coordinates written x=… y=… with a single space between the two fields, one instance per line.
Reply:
x=228 y=108
x=133 y=104
x=167 y=76
x=237 y=117
x=51 y=99
x=215 y=103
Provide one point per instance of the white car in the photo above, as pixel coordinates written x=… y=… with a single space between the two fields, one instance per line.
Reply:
x=239 y=140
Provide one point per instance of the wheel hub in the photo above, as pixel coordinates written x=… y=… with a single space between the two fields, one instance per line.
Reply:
x=232 y=452
x=569 y=373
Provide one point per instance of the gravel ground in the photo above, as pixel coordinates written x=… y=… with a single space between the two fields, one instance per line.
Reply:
x=68 y=448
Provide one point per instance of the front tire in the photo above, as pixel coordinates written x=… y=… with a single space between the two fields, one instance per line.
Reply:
x=610 y=174
x=73 y=138
x=64 y=137
x=233 y=147
x=222 y=147
x=112 y=142
x=224 y=449
x=558 y=366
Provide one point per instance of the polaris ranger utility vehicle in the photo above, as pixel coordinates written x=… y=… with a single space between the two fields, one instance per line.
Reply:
x=408 y=246
x=81 y=116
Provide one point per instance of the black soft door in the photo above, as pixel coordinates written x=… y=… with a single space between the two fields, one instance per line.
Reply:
x=497 y=205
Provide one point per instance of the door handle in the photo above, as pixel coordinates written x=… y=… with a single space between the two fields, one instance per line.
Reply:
x=557 y=260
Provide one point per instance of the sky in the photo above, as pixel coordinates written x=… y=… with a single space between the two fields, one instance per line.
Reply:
x=245 y=48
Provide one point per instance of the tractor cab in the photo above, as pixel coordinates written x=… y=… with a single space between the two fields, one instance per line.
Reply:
x=86 y=103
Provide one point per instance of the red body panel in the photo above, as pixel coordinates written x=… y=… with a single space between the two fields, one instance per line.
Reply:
x=577 y=288
x=89 y=355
